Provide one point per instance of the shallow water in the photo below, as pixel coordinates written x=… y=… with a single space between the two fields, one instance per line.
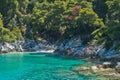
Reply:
x=30 y=66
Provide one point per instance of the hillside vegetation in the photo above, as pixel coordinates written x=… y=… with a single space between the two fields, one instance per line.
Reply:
x=96 y=20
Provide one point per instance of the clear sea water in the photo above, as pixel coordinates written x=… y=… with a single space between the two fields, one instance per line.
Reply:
x=32 y=66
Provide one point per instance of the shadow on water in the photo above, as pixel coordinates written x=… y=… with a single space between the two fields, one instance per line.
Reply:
x=39 y=53
x=54 y=55
x=65 y=57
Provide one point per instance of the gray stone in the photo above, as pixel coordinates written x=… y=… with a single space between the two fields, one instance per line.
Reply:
x=117 y=68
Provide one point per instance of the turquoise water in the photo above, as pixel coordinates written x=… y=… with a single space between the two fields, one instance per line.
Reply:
x=30 y=66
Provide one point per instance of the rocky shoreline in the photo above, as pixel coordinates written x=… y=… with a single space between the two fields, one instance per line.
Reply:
x=72 y=47
x=109 y=58
x=27 y=46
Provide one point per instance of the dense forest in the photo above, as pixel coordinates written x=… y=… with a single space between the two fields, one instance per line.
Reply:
x=96 y=20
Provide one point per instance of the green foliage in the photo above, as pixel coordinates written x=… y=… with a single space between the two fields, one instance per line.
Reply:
x=98 y=20
x=89 y=17
x=100 y=7
x=8 y=36
x=110 y=33
x=1 y=23
x=16 y=32
x=86 y=4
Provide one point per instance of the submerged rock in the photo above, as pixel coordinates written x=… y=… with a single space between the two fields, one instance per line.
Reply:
x=100 y=66
x=83 y=68
x=94 y=68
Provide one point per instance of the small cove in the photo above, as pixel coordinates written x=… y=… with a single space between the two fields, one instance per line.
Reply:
x=40 y=66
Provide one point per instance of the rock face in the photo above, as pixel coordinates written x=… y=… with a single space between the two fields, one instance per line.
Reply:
x=8 y=47
x=28 y=45
x=78 y=49
x=72 y=46
x=75 y=48
x=32 y=45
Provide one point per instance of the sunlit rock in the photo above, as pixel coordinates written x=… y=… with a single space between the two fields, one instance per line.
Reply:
x=117 y=68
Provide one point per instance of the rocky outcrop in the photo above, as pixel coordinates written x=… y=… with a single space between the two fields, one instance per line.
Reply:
x=32 y=45
x=10 y=47
x=75 y=47
x=72 y=47
x=28 y=45
x=78 y=49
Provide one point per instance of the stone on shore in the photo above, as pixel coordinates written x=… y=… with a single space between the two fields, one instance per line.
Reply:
x=107 y=65
x=117 y=68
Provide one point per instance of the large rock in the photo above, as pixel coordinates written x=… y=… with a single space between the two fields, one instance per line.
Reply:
x=117 y=68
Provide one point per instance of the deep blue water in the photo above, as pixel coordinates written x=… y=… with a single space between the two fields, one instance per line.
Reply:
x=38 y=67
